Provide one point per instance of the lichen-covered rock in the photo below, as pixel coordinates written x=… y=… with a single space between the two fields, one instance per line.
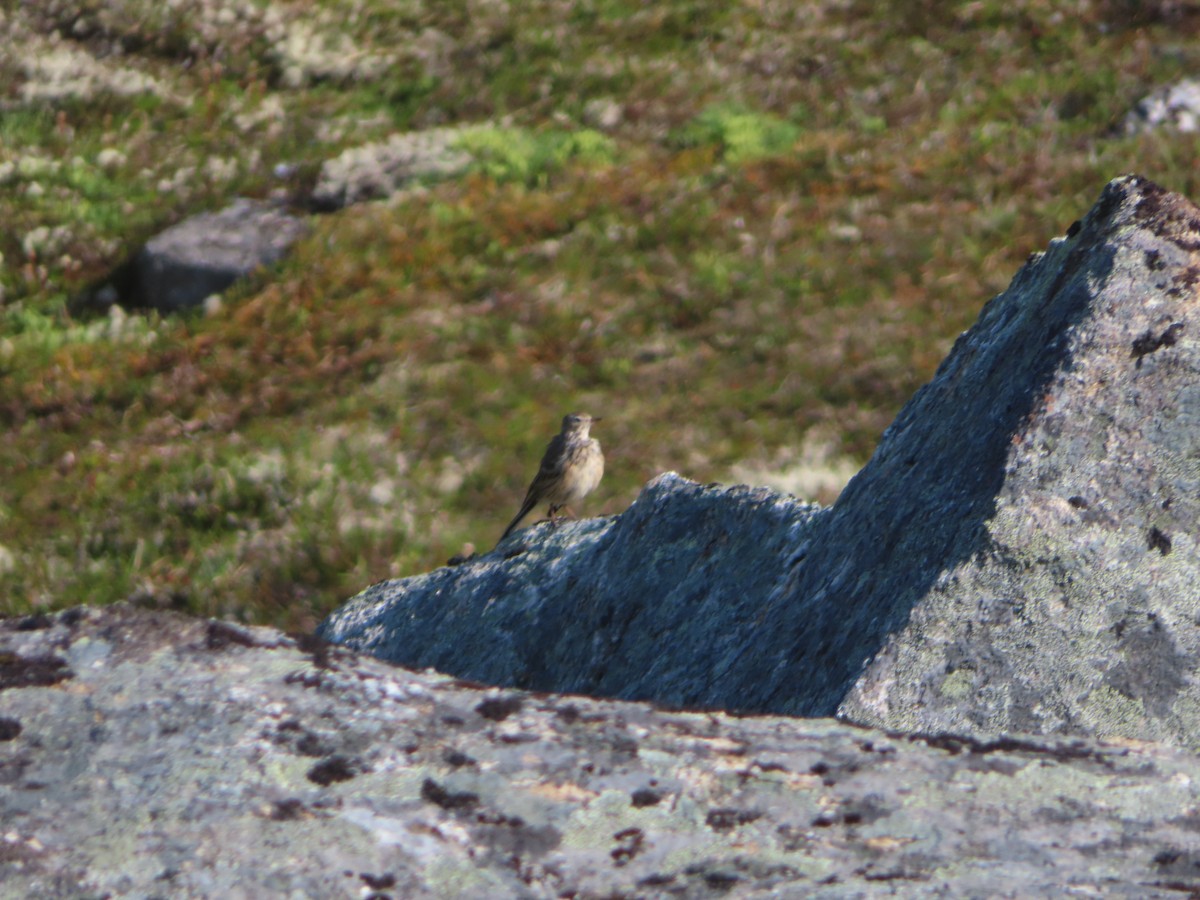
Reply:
x=1070 y=602
x=378 y=170
x=1173 y=106
x=1022 y=546
x=57 y=72
x=205 y=254
x=146 y=754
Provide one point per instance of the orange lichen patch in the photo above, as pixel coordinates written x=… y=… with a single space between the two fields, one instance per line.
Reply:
x=567 y=792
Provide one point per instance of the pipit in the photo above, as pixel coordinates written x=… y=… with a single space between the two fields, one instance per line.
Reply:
x=570 y=470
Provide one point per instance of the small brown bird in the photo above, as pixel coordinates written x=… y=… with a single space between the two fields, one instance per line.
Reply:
x=570 y=469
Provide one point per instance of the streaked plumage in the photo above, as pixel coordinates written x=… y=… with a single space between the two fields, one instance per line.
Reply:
x=571 y=468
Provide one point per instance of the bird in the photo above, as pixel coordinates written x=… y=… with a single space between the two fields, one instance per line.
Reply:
x=571 y=468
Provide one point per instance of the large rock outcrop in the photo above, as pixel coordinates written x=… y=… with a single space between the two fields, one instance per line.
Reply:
x=149 y=755
x=1019 y=553
x=1077 y=607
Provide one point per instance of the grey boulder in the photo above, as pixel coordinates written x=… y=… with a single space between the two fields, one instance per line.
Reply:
x=203 y=255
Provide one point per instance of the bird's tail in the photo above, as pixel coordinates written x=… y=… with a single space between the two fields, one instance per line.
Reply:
x=529 y=503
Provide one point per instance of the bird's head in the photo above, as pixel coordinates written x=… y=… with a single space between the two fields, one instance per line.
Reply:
x=578 y=423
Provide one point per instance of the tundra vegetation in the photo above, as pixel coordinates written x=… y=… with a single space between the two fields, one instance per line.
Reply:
x=742 y=233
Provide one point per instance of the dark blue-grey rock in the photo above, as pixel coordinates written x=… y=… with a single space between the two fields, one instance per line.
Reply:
x=637 y=606
x=1019 y=554
x=145 y=754
x=203 y=255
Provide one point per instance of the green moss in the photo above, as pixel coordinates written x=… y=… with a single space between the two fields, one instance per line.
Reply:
x=743 y=135
x=515 y=154
x=958 y=684
x=1109 y=712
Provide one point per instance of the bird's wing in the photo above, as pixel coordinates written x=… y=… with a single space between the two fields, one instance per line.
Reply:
x=553 y=459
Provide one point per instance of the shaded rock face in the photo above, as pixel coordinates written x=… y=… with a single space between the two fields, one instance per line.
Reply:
x=1018 y=554
x=150 y=755
x=638 y=606
x=203 y=255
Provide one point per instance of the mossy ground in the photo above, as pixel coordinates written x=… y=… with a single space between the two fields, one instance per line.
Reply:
x=726 y=229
